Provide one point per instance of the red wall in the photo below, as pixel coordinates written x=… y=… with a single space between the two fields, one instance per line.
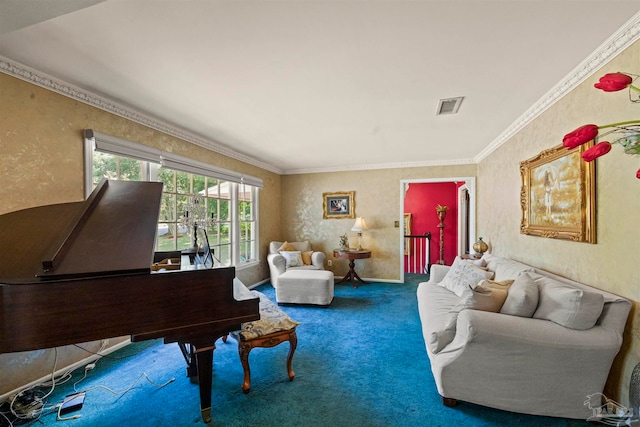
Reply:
x=420 y=201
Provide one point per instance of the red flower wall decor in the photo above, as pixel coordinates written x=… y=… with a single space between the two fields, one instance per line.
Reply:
x=628 y=132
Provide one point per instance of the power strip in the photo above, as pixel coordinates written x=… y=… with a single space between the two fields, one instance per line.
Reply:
x=26 y=405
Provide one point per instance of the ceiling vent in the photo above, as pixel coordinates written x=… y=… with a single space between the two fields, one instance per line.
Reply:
x=449 y=105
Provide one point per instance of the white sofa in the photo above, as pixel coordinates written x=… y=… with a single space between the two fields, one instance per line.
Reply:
x=278 y=264
x=526 y=361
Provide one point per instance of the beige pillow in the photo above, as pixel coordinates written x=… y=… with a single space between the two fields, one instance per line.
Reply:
x=462 y=275
x=286 y=246
x=568 y=306
x=504 y=284
x=484 y=298
x=306 y=257
x=522 y=299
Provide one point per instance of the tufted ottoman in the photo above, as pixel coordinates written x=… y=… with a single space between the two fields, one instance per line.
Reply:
x=305 y=287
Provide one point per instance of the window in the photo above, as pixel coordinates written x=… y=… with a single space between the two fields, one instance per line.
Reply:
x=229 y=201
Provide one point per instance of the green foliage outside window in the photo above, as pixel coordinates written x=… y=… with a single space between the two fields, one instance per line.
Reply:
x=177 y=186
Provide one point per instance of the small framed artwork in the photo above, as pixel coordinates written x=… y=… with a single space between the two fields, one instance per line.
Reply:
x=338 y=205
x=558 y=195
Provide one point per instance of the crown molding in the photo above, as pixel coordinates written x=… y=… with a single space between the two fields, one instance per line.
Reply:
x=53 y=84
x=402 y=165
x=619 y=41
x=625 y=36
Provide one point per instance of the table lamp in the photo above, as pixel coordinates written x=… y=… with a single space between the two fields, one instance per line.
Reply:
x=359 y=227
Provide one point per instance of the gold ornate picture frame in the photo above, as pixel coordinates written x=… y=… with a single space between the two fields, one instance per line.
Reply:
x=558 y=195
x=339 y=205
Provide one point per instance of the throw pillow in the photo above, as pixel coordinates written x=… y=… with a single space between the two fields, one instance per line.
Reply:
x=522 y=299
x=507 y=268
x=462 y=275
x=286 y=246
x=504 y=284
x=568 y=306
x=292 y=258
x=481 y=297
x=480 y=262
x=306 y=257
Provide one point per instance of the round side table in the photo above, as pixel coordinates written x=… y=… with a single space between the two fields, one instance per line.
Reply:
x=352 y=255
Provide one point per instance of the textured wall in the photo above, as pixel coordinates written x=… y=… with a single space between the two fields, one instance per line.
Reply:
x=42 y=163
x=612 y=263
x=377 y=199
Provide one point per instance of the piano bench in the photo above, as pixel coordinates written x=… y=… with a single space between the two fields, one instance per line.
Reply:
x=273 y=328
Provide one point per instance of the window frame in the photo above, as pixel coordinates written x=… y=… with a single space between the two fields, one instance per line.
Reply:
x=95 y=141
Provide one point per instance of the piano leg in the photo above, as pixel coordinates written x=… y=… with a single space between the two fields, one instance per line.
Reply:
x=204 y=361
x=198 y=353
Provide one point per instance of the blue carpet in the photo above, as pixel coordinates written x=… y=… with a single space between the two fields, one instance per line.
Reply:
x=360 y=362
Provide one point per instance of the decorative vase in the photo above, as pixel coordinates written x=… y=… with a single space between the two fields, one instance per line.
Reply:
x=480 y=247
x=344 y=242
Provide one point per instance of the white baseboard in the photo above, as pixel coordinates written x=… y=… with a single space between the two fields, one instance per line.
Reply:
x=91 y=358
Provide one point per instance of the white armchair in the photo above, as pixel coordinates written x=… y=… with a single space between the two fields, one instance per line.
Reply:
x=278 y=264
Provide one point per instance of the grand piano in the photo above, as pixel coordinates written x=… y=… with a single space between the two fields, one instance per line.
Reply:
x=78 y=272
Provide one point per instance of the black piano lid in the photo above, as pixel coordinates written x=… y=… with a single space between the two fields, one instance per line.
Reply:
x=110 y=233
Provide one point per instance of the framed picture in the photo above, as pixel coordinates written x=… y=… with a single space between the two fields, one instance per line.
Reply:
x=558 y=195
x=407 y=232
x=338 y=205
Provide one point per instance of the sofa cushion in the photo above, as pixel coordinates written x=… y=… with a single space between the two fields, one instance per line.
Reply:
x=292 y=258
x=462 y=275
x=522 y=299
x=483 y=297
x=566 y=305
x=505 y=268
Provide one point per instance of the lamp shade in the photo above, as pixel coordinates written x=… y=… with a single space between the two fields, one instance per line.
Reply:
x=360 y=225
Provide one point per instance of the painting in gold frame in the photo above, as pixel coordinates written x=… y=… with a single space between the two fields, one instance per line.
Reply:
x=339 y=205
x=558 y=195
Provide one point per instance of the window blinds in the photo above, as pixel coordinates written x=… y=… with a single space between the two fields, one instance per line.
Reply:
x=122 y=147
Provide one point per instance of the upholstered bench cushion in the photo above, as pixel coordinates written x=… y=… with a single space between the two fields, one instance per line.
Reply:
x=305 y=287
x=272 y=319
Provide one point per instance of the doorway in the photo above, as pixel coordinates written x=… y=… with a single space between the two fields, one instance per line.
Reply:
x=460 y=197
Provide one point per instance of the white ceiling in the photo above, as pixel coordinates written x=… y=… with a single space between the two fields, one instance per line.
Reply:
x=304 y=86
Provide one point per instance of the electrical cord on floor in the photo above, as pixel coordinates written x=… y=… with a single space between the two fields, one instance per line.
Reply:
x=10 y=424
x=144 y=374
x=28 y=405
